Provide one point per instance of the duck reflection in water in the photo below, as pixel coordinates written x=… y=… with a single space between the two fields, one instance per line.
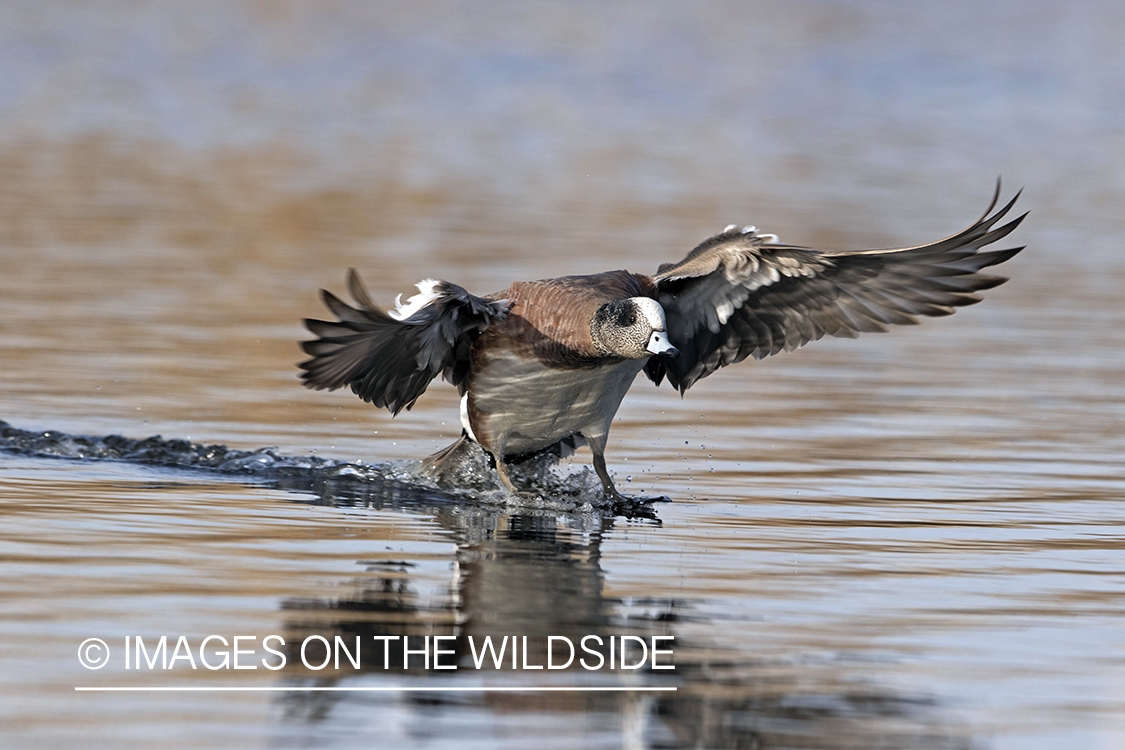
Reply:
x=539 y=574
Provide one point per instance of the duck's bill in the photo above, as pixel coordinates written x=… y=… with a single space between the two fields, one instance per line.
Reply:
x=658 y=344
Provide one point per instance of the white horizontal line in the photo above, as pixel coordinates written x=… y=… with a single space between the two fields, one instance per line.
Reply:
x=410 y=689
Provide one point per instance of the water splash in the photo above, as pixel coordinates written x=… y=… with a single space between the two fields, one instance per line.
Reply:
x=468 y=478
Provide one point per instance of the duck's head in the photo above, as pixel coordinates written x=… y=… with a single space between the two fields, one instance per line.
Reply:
x=632 y=328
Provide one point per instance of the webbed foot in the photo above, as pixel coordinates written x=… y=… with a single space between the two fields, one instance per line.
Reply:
x=614 y=496
x=634 y=507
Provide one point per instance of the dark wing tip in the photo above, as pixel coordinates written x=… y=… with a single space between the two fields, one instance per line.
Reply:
x=359 y=291
x=838 y=294
x=390 y=362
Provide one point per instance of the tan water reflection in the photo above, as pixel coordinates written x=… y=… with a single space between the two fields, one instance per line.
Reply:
x=909 y=540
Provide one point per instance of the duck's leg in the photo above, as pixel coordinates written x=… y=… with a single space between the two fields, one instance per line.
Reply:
x=597 y=446
x=608 y=488
x=434 y=462
x=506 y=478
x=496 y=450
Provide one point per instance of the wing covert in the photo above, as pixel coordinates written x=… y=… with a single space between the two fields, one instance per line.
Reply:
x=741 y=294
x=390 y=361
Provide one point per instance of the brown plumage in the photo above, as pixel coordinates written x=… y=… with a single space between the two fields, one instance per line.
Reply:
x=542 y=314
x=548 y=362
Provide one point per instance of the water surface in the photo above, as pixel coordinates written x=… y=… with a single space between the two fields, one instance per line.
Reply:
x=905 y=540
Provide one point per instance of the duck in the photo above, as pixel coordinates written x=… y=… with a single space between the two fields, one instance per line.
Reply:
x=543 y=366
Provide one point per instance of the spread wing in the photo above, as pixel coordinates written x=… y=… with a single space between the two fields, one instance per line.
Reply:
x=390 y=359
x=742 y=294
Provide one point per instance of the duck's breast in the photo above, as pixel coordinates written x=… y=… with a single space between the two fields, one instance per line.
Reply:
x=523 y=405
x=536 y=377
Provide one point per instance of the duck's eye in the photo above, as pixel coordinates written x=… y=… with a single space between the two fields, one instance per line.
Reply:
x=627 y=319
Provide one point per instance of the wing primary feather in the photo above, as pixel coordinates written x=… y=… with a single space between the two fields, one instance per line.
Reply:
x=390 y=362
x=738 y=294
x=359 y=292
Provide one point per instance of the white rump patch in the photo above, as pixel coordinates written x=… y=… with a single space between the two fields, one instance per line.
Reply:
x=427 y=293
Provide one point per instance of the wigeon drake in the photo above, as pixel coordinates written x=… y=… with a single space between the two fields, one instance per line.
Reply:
x=545 y=364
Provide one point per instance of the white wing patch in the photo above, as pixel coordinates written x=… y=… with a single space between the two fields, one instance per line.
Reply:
x=752 y=231
x=427 y=293
x=724 y=310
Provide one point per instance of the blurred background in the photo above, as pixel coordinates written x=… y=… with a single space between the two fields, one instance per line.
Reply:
x=166 y=168
x=910 y=540
x=170 y=173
